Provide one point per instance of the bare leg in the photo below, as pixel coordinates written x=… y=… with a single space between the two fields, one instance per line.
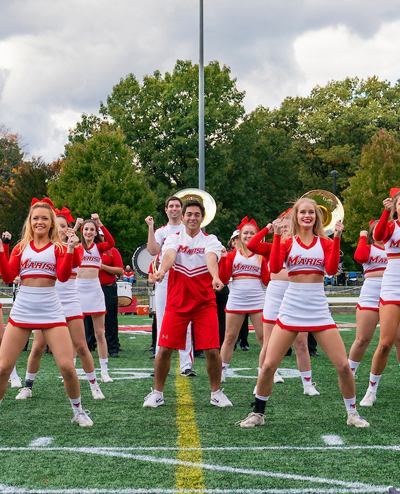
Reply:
x=367 y=321
x=267 y=330
x=390 y=318
x=98 y=325
x=37 y=350
x=162 y=365
x=397 y=344
x=233 y=324
x=77 y=332
x=256 y=319
x=300 y=344
x=214 y=368
x=332 y=344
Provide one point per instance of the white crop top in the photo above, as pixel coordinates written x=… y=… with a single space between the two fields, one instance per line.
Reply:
x=38 y=263
x=392 y=246
x=243 y=266
x=305 y=261
x=91 y=258
x=377 y=260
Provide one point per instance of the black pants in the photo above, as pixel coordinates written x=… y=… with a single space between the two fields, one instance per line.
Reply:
x=111 y=321
x=222 y=299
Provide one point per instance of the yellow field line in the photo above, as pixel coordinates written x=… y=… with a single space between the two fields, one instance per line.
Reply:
x=188 y=436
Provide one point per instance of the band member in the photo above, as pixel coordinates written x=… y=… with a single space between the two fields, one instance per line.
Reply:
x=88 y=284
x=389 y=308
x=73 y=313
x=155 y=243
x=246 y=294
x=371 y=254
x=273 y=298
x=192 y=259
x=40 y=258
x=307 y=253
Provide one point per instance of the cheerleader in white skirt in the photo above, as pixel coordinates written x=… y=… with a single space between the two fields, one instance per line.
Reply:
x=88 y=284
x=308 y=253
x=39 y=259
x=73 y=313
x=387 y=232
x=276 y=289
x=246 y=293
x=372 y=255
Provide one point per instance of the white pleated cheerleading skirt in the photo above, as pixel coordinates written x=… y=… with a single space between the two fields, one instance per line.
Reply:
x=91 y=296
x=273 y=298
x=37 y=308
x=246 y=295
x=390 y=291
x=69 y=299
x=305 y=308
x=370 y=294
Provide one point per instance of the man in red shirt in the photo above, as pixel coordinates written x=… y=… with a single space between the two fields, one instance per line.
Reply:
x=191 y=257
x=111 y=267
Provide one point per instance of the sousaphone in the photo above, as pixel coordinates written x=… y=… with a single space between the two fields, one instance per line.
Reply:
x=330 y=206
x=204 y=198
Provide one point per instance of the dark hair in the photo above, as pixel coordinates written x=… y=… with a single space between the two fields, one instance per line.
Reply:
x=173 y=198
x=96 y=239
x=370 y=237
x=394 y=211
x=193 y=202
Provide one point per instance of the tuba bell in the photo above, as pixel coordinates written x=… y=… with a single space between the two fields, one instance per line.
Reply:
x=204 y=198
x=330 y=206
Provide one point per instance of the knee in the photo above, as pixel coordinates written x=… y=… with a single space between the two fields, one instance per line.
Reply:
x=362 y=341
x=343 y=369
x=384 y=347
x=37 y=351
x=212 y=354
x=81 y=349
x=68 y=371
x=164 y=353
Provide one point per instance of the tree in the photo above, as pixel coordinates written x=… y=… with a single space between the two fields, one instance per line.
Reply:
x=15 y=200
x=99 y=175
x=378 y=172
x=11 y=156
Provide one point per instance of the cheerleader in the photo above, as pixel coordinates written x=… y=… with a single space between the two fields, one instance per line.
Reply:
x=308 y=253
x=71 y=305
x=387 y=232
x=88 y=284
x=15 y=380
x=371 y=254
x=273 y=298
x=246 y=294
x=39 y=259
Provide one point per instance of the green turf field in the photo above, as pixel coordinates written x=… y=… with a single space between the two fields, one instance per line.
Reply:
x=187 y=445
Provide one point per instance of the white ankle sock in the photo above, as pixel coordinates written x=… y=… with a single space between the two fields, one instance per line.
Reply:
x=30 y=376
x=91 y=377
x=76 y=404
x=103 y=364
x=14 y=373
x=353 y=366
x=373 y=382
x=306 y=378
x=224 y=367
x=350 y=405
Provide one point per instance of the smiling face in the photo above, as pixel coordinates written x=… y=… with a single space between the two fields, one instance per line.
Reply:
x=62 y=227
x=41 y=221
x=89 y=232
x=247 y=233
x=306 y=215
x=174 y=210
x=192 y=219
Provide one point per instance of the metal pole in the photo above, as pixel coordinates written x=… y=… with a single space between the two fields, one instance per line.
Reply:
x=202 y=173
x=334 y=173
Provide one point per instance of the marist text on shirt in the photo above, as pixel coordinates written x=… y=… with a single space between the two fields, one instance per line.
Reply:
x=304 y=261
x=197 y=250
x=29 y=264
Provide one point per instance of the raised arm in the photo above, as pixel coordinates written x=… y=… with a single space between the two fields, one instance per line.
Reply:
x=382 y=231
x=152 y=245
x=363 y=250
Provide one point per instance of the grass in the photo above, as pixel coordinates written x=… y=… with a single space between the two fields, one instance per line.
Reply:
x=292 y=437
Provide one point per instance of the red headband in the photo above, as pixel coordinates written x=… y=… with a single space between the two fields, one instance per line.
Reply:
x=246 y=221
x=393 y=192
x=65 y=212
x=45 y=199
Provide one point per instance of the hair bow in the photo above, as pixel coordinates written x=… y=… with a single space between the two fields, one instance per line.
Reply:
x=48 y=201
x=285 y=213
x=394 y=191
x=370 y=223
x=246 y=221
x=65 y=212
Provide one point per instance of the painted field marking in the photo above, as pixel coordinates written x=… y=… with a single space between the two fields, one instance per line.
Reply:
x=42 y=441
x=188 y=435
x=347 y=486
x=332 y=440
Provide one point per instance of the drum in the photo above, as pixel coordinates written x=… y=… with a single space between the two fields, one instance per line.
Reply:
x=141 y=260
x=124 y=291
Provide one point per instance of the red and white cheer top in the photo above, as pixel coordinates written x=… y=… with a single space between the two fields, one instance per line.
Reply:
x=372 y=257
x=237 y=266
x=321 y=255
x=189 y=282
x=389 y=233
x=92 y=256
x=161 y=234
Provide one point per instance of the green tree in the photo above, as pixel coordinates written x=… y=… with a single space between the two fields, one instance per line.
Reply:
x=15 y=200
x=99 y=175
x=11 y=156
x=378 y=172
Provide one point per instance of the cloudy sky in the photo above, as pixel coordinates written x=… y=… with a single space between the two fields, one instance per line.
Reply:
x=60 y=58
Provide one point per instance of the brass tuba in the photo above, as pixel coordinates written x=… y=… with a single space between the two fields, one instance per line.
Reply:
x=330 y=206
x=204 y=198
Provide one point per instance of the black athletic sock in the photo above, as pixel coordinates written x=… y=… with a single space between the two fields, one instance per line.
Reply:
x=259 y=406
x=29 y=383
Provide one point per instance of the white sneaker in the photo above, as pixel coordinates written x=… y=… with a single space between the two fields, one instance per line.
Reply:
x=252 y=420
x=153 y=399
x=223 y=377
x=82 y=418
x=355 y=419
x=310 y=390
x=16 y=382
x=369 y=399
x=105 y=378
x=24 y=394
x=278 y=378
x=96 y=393
x=219 y=399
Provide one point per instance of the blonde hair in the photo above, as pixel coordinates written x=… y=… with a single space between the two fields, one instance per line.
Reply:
x=318 y=227
x=240 y=245
x=393 y=212
x=27 y=231
x=370 y=236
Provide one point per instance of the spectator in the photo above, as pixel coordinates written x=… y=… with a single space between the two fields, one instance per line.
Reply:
x=129 y=275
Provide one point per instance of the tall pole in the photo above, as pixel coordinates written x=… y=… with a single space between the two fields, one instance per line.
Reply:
x=334 y=173
x=202 y=172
